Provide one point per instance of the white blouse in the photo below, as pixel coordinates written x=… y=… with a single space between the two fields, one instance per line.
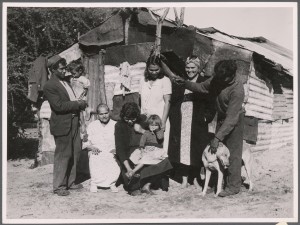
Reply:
x=152 y=101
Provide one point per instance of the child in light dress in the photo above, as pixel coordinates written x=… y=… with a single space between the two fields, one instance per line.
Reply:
x=80 y=84
x=151 y=149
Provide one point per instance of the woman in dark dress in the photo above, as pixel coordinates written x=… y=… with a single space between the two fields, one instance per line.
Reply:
x=189 y=133
x=127 y=140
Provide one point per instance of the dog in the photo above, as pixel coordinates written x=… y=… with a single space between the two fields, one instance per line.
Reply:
x=211 y=163
x=220 y=161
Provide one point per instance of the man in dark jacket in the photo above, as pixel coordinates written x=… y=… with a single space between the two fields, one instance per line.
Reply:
x=64 y=126
x=229 y=93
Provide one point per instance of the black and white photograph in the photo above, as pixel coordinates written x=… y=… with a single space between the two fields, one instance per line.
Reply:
x=149 y=112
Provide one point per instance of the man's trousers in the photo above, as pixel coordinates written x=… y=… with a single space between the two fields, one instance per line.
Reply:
x=66 y=157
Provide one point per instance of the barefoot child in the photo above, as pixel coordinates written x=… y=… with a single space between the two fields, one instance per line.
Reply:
x=151 y=146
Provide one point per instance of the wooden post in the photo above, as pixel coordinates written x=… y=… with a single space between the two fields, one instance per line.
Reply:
x=126 y=30
x=93 y=96
x=179 y=21
x=181 y=16
x=101 y=77
x=159 y=23
x=94 y=66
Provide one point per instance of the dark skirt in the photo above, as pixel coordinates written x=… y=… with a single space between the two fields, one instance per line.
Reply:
x=157 y=175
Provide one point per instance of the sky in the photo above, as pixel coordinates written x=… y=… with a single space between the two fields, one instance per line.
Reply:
x=273 y=23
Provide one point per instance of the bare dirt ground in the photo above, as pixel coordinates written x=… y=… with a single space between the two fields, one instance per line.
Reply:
x=29 y=196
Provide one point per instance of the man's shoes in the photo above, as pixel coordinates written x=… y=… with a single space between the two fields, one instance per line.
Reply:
x=135 y=193
x=76 y=187
x=226 y=193
x=62 y=192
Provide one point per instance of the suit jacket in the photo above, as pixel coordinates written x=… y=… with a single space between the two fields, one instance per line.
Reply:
x=61 y=107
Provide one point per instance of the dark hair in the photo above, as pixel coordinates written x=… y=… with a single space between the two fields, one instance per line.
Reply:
x=75 y=66
x=193 y=56
x=154 y=120
x=153 y=60
x=130 y=110
x=225 y=68
x=61 y=61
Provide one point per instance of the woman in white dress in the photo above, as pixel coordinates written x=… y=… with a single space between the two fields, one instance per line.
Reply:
x=156 y=90
x=104 y=168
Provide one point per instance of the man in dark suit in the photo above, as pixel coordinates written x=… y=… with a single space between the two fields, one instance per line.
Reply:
x=64 y=126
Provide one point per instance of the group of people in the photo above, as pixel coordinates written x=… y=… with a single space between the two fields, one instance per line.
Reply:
x=163 y=137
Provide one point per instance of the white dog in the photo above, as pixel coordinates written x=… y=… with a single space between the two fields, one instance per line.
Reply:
x=219 y=161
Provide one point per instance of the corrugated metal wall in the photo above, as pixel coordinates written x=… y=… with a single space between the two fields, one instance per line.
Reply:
x=288 y=94
x=280 y=107
x=270 y=109
x=272 y=135
x=260 y=97
x=113 y=80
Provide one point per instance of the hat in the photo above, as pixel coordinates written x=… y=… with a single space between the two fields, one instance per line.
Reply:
x=53 y=60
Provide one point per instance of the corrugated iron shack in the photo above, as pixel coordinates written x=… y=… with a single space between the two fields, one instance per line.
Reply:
x=128 y=36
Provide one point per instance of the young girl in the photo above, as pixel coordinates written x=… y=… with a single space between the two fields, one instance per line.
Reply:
x=151 y=146
x=80 y=85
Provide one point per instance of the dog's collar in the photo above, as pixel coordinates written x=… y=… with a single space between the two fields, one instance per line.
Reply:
x=213 y=161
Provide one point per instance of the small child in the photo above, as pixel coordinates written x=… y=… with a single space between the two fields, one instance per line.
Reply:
x=151 y=146
x=79 y=82
x=80 y=85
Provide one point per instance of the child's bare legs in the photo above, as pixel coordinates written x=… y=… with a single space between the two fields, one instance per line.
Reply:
x=136 y=168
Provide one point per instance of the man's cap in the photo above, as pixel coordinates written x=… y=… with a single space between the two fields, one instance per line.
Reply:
x=54 y=59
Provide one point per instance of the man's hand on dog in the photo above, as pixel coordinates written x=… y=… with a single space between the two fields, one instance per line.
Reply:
x=214 y=144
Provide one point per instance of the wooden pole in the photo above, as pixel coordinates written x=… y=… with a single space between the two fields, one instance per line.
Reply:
x=176 y=16
x=179 y=21
x=159 y=23
x=101 y=77
x=181 y=16
x=93 y=97
x=126 y=31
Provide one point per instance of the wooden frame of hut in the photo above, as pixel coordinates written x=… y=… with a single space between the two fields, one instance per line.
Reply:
x=129 y=35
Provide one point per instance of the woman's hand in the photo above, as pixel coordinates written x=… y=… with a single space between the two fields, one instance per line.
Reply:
x=93 y=149
x=138 y=128
x=130 y=173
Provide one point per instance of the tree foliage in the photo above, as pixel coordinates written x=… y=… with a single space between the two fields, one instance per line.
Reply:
x=33 y=31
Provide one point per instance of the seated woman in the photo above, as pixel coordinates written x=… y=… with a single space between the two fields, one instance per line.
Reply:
x=104 y=169
x=127 y=141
